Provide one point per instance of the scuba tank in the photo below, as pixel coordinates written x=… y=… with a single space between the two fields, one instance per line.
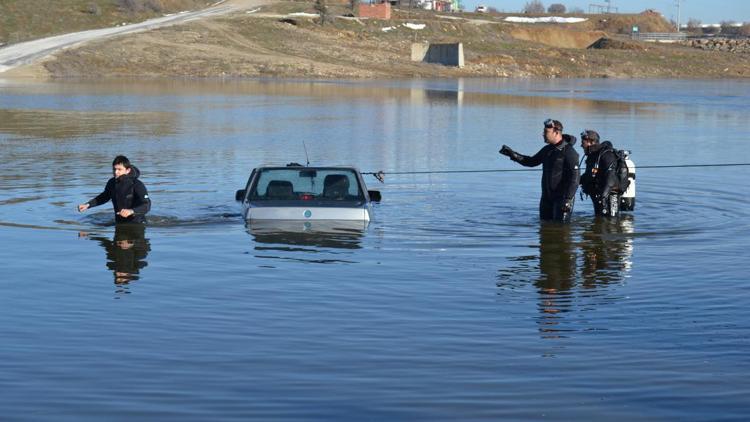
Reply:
x=627 y=200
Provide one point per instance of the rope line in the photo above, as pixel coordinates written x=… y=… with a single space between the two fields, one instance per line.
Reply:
x=375 y=173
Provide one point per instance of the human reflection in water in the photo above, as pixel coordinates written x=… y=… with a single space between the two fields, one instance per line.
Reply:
x=126 y=253
x=557 y=275
x=605 y=250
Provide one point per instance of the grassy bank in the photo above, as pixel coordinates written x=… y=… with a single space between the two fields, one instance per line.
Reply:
x=23 y=20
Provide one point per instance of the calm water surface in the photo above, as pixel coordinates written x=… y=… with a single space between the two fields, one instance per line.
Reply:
x=455 y=303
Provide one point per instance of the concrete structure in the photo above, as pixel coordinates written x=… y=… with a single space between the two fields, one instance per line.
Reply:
x=445 y=54
x=375 y=11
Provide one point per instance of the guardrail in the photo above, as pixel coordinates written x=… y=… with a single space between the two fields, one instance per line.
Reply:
x=660 y=36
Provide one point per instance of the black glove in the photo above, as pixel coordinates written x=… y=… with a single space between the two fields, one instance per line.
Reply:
x=505 y=150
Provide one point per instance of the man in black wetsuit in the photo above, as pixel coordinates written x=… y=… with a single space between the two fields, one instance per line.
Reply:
x=599 y=181
x=559 y=171
x=128 y=194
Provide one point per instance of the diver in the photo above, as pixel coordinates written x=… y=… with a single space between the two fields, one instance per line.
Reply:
x=559 y=171
x=600 y=181
x=128 y=194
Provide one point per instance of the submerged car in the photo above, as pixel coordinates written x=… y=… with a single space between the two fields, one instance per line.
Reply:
x=296 y=192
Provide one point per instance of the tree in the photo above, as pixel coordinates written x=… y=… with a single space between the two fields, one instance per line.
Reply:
x=322 y=8
x=556 y=8
x=354 y=5
x=694 y=26
x=729 y=28
x=745 y=30
x=711 y=30
x=534 y=7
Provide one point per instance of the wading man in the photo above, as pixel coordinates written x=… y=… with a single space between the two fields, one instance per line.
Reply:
x=600 y=180
x=560 y=173
x=128 y=194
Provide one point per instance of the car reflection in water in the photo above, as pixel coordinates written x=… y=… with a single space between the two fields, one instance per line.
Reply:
x=573 y=275
x=126 y=253
x=309 y=241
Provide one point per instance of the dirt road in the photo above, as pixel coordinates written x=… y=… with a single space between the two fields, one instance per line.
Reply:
x=32 y=51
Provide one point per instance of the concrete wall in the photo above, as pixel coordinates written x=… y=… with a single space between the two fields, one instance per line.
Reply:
x=445 y=54
x=375 y=11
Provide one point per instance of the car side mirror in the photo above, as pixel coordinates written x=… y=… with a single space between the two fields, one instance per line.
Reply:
x=374 y=195
x=239 y=195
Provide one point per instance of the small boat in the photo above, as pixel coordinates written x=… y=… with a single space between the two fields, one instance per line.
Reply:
x=296 y=192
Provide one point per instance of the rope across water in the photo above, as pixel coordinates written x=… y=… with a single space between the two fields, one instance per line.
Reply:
x=383 y=173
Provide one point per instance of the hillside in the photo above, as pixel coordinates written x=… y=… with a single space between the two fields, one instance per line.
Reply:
x=23 y=20
x=273 y=43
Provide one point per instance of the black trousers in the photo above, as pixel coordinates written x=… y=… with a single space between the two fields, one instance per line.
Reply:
x=552 y=209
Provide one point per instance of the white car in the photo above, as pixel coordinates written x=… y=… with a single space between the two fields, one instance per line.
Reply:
x=481 y=9
x=296 y=192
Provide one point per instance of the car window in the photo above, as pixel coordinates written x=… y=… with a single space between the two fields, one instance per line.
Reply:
x=306 y=184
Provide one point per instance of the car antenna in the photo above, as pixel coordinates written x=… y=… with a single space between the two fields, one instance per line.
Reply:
x=307 y=157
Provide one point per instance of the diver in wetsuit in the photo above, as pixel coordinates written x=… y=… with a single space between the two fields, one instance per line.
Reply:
x=128 y=194
x=560 y=172
x=599 y=181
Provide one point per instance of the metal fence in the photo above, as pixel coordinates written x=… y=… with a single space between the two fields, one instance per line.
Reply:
x=659 y=36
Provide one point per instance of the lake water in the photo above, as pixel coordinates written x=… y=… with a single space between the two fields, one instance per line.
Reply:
x=455 y=303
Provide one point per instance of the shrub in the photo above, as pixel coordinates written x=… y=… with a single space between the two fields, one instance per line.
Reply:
x=729 y=28
x=556 y=8
x=129 y=5
x=154 y=5
x=93 y=9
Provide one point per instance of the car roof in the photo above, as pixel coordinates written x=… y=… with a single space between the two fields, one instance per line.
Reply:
x=277 y=167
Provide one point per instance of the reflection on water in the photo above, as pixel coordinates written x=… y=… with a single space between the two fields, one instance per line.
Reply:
x=126 y=254
x=607 y=250
x=571 y=274
x=440 y=309
x=296 y=240
x=67 y=124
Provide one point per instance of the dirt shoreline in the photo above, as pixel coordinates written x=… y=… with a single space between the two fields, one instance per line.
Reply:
x=272 y=43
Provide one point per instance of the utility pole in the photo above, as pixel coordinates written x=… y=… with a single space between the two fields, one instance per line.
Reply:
x=679 y=4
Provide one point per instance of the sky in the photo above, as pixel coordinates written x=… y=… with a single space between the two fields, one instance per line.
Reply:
x=706 y=11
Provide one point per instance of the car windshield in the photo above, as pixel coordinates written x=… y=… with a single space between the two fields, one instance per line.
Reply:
x=306 y=184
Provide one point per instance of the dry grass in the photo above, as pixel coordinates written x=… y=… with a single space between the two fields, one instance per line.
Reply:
x=22 y=20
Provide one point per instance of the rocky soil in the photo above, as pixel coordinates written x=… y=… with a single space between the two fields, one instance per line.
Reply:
x=721 y=44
